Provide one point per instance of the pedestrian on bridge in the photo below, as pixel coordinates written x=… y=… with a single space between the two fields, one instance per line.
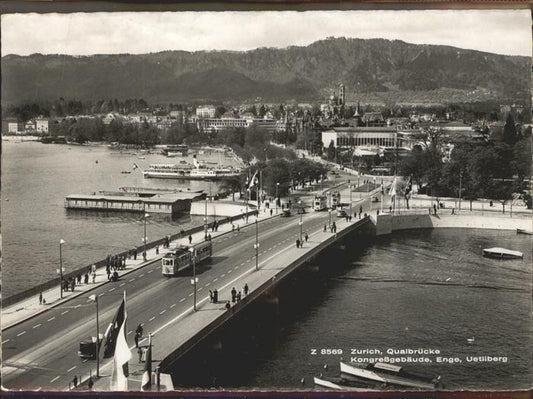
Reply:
x=94 y=277
x=75 y=381
x=306 y=237
x=86 y=278
x=233 y=294
x=228 y=306
x=90 y=383
x=40 y=298
x=325 y=227
x=246 y=289
x=210 y=296
x=297 y=243
x=190 y=239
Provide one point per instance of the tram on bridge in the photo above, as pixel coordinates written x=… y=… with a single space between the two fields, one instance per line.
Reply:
x=183 y=256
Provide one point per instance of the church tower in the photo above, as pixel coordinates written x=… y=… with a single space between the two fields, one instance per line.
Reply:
x=342 y=95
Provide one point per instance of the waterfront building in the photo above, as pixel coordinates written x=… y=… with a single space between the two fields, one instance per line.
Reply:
x=361 y=136
x=41 y=125
x=206 y=111
x=12 y=126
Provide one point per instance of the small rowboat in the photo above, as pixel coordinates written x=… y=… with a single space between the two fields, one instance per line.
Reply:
x=524 y=231
x=389 y=374
x=340 y=384
x=502 y=253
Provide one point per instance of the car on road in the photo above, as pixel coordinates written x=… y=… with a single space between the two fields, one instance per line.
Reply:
x=286 y=213
x=341 y=213
x=87 y=348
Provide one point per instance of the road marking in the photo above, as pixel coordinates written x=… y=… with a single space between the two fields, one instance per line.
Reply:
x=65 y=312
x=142 y=275
x=70 y=369
x=3 y=342
x=88 y=300
x=129 y=332
x=236 y=267
x=112 y=289
x=38 y=389
x=215 y=280
x=51 y=318
x=77 y=306
x=22 y=333
x=149 y=271
x=122 y=284
x=171 y=306
x=131 y=280
x=200 y=289
x=182 y=299
x=152 y=318
x=55 y=379
x=242 y=264
x=163 y=311
x=270 y=249
x=249 y=260
x=190 y=294
x=142 y=324
x=37 y=326
x=85 y=360
x=229 y=271
x=207 y=284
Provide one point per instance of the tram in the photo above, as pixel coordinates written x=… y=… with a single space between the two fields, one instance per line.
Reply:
x=183 y=256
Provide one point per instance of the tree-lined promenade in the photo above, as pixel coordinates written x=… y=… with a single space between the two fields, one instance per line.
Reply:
x=497 y=169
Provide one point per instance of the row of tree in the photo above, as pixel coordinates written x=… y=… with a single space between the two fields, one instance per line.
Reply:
x=496 y=169
x=278 y=176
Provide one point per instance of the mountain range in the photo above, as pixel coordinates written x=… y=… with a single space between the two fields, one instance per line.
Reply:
x=367 y=67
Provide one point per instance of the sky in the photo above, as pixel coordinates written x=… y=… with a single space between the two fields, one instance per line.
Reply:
x=496 y=31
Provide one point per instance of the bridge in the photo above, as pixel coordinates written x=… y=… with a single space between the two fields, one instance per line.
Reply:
x=40 y=352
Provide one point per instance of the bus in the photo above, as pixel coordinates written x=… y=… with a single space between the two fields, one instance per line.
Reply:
x=182 y=257
x=335 y=199
x=320 y=203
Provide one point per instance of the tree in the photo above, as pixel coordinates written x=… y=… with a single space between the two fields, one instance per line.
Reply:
x=510 y=134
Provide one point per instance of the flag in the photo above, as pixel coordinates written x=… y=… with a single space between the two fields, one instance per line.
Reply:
x=392 y=191
x=146 y=383
x=408 y=187
x=113 y=330
x=253 y=182
x=119 y=377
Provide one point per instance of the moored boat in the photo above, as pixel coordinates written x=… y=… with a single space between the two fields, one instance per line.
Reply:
x=388 y=373
x=524 y=231
x=502 y=253
x=187 y=172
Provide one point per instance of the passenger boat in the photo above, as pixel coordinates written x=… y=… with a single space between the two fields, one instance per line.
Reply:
x=388 y=373
x=524 y=231
x=187 y=172
x=502 y=253
x=341 y=384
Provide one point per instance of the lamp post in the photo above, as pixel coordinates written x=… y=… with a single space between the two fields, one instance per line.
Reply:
x=61 y=242
x=301 y=221
x=94 y=298
x=329 y=210
x=460 y=187
x=277 y=188
x=350 y=200
x=194 y=280
x=145 y=215
x=205 y=219
x=256 y=245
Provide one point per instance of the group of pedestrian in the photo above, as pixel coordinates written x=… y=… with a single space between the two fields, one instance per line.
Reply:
x=235 y=296
x=348 y=218
x=115 y=263
x=214 y=226
x=213 y=296
x=42 y=300
x=333 y=227
x=166 y=243
x=138 y=335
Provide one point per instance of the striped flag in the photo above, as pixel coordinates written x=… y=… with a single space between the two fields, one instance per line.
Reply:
x=119 y=378
x=392 y=192
x=113 y=329
x=254 y=180
x=146 y=383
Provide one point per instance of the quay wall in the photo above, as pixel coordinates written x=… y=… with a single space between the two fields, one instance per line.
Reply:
x=102 y=263
x=387 y=223
x=221 y=208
